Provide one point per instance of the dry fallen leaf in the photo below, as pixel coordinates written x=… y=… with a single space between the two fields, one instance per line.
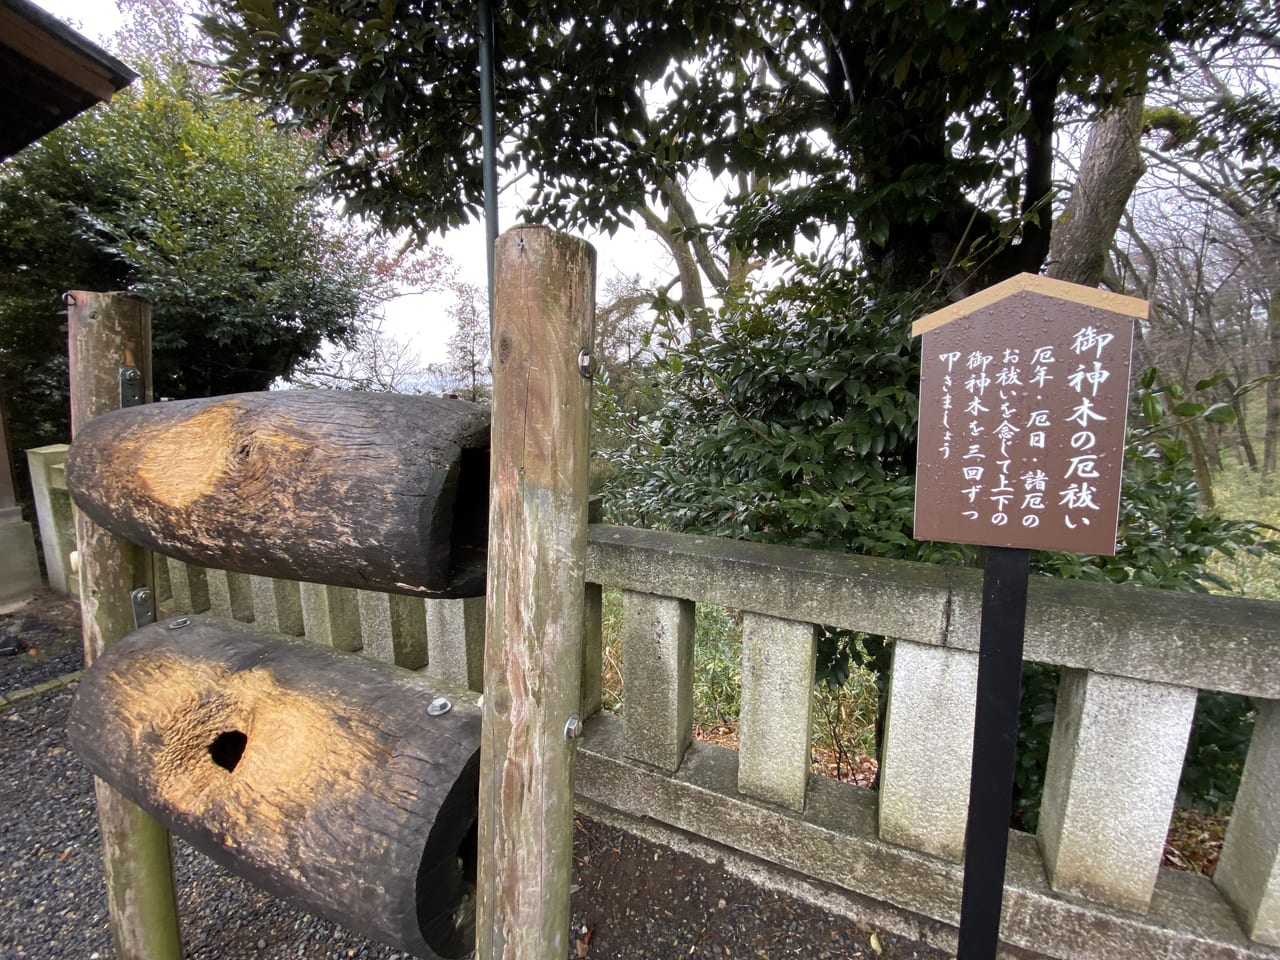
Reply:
x=875 y=944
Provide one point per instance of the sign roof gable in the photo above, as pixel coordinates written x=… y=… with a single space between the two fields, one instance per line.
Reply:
x=1031 y=283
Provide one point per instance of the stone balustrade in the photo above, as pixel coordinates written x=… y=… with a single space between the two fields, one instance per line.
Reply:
x=1089 y=884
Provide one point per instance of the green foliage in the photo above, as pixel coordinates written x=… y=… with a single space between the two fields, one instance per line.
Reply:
x=888 y=117
x=1243 y=495
x=797 y=425
x=198 y=204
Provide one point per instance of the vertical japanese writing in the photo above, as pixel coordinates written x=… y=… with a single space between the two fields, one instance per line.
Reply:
x=1026 y=421
x=1023 y=400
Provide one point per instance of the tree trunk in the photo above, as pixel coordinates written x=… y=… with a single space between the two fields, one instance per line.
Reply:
x=1109 y=171
x=1271 y=431
x=368 y=490
x=321 y=777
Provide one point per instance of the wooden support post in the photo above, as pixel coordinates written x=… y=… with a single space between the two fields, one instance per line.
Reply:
x=543 y=313
x=110 y=341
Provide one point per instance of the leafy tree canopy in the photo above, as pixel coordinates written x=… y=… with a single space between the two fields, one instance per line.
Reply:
x=925 y=125
x=193 y=201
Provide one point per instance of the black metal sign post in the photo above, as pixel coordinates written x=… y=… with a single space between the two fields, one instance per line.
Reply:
x=995 y=739
x=1024 y=389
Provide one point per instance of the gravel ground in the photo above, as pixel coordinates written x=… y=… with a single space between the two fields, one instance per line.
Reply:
x=631 y=898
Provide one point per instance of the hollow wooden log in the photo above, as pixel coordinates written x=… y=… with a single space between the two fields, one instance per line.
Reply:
x=376 y=491
x=319 y=776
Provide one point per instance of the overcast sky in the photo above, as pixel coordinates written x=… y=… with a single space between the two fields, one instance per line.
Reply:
x=423 y=320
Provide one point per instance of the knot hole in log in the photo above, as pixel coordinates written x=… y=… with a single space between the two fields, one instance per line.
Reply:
x=227 y=749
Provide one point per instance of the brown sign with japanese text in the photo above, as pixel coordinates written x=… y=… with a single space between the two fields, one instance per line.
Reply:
x=1024 y=390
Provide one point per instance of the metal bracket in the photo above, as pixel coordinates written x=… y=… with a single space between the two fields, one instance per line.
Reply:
x=144 y=611
x=130 y=386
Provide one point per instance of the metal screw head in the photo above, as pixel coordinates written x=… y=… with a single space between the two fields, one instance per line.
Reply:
x=141 y=595
x=179 y=623
x=586 y=364
x=439 y=707
x=132 y=375
x=573 y=727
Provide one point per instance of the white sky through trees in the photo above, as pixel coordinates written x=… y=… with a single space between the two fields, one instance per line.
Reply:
x=423 y=320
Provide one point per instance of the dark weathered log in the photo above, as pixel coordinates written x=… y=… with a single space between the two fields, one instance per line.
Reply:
x=319 y=776
x=377 y=491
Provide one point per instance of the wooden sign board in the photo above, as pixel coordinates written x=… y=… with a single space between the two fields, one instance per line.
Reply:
x=1024 y=392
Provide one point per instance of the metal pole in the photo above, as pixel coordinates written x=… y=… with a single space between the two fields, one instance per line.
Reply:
x=995 y=742
x=489 y=139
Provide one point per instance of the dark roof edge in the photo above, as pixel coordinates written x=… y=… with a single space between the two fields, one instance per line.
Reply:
x=121 y=75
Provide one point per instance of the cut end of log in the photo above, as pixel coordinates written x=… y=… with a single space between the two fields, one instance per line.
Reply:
x=319 y=776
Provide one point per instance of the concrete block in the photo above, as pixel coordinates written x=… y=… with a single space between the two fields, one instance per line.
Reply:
x=455 y=641
x=1110 y=786
x=53 y=515
x=592 y=650
x=393 y=628
x=777 y=709
x=277 y=605
x=230 y=595
x=657 y=678
x=189 y=585
x=330 y=616
x=928 y=749
x=1248 y=871
x=164 y=586
x=19 y=568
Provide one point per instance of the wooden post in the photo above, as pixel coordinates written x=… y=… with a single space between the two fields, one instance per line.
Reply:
x=543 y=313
x=110 y=339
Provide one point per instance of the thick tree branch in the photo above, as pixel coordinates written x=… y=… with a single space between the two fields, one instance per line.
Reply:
x=1109 y=170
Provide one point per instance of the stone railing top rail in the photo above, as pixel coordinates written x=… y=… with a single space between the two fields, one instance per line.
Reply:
x=1194 y=640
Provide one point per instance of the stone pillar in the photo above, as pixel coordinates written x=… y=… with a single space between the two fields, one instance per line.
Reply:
x=277 y=605
x=592 y=650
x=393 y=628
x=928 y=748
x=1248 y=871
x=1110 y=786
x=330 y=616
x=53 y=515
x=19 y=567
x=455 y=641
x=189 y=585
x=777 y=709
x=657 y=678
x=230 y=595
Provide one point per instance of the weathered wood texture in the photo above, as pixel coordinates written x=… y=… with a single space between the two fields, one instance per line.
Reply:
x=317 y=775
x=108 y=332
x=543 y=312
x=376 y=491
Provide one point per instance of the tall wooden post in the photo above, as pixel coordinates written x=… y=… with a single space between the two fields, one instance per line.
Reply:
x=110 y=358
x=543 y=317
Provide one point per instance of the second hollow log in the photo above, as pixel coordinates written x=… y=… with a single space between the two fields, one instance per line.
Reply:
x=319 y=776
x=376 y=491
